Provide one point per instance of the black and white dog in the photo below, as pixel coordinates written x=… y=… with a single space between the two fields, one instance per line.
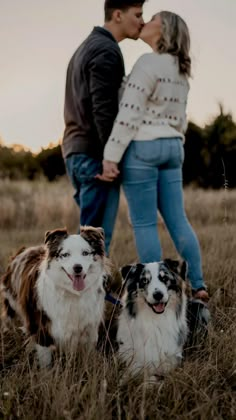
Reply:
x=152 y=327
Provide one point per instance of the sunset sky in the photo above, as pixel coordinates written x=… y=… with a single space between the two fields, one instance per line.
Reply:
x=37 y=39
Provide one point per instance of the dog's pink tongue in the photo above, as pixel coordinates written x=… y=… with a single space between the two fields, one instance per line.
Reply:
x=159 y=307
x=78 y=283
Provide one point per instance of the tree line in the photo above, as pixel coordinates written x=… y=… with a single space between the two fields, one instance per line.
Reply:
x=210 y=156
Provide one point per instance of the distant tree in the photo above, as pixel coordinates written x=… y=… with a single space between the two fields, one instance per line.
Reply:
x=51 y=162
x=17 y=163
x=219 y=152
x=193 y=168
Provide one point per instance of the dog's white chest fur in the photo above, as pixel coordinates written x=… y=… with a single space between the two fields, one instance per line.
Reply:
x=151 y=341
x=74 y=317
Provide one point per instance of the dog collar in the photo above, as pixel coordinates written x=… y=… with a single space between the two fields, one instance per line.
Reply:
x=113 y=300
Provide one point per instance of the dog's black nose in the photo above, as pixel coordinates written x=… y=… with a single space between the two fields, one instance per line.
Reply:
x=77 y=268
x=158 y=296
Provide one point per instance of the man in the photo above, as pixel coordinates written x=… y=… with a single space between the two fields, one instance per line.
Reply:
x=94 y=76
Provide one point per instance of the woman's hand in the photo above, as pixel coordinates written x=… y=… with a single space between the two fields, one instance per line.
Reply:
x=110 y=171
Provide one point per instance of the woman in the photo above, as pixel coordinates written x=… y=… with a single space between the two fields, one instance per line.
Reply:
x=149 y=132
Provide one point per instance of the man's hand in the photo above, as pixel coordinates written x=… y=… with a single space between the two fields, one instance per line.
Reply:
x=110 y=171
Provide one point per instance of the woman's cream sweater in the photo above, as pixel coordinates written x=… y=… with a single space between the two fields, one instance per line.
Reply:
x=153 y=104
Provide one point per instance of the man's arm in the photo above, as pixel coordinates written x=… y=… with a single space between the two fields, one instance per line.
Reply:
x=105 y=75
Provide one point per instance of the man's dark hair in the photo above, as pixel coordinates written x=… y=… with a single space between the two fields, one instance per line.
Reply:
x=111 y=5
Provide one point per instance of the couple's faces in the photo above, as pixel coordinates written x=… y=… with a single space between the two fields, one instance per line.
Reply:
x=134 y=27
x=132 y=22
x=152 y=30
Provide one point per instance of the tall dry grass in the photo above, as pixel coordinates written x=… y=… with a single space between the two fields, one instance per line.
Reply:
x=88 y=386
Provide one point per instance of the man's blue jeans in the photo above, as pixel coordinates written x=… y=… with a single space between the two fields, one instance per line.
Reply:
x=98 y=200
x=152 y=179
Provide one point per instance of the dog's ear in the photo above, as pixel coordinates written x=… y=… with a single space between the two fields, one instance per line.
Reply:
x=50 y=235
x=177 y=267
x=173 y=265
x=97 y=230
x=95 y=237
x=101 y=231
x=131 y=275
x=131 y=271
x=126 y=270
x=53 y=241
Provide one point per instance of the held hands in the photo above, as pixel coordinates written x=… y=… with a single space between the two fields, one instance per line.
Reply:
x=110 y=171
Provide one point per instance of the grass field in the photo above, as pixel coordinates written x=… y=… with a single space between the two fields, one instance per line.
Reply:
x=88 y=386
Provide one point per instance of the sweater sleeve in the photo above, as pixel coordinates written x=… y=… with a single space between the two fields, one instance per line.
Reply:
x=139 y=88
x=105 y=76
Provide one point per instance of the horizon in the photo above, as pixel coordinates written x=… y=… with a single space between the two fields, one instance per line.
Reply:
x=42 y=37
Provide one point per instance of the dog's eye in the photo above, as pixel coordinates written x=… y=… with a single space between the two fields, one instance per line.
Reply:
x=85 y=253
x=145 y=280
x=65 y=255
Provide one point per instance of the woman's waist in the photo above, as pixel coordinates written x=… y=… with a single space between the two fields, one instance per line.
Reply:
x=152 y=132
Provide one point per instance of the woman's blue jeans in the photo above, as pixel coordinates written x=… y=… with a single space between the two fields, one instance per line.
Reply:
x=152 y=179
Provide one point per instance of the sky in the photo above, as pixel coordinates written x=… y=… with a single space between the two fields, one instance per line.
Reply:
x=37 y=39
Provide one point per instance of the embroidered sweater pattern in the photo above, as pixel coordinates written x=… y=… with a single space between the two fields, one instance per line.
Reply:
x=153 y=104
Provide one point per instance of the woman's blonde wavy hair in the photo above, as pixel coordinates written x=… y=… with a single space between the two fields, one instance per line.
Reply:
x=175 y=40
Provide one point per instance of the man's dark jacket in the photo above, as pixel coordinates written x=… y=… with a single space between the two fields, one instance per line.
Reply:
x=94 y=76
